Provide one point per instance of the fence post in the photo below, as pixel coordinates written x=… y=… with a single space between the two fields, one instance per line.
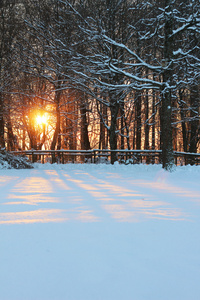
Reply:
x=94 y=156
x=52 y=157
x=32 y=157
x=62 y=157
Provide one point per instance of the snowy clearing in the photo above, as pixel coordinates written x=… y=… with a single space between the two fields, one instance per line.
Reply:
x=100 y=232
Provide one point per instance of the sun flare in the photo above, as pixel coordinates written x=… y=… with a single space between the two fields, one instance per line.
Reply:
x=41 y=120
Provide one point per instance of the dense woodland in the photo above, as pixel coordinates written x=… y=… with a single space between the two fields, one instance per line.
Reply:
x=106 y=74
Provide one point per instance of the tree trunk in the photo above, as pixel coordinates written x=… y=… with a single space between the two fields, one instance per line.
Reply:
x=57 y=129
x=114 y=108
x=122 y=126
x=166 y=123
x=138 y=121
x=153 y=124
x=166 y=132
x=85 y=143
x=2 y=139
x=12 y=143
x=194 y=121
x=102 y=135
x=146 y=140
x=183 y=124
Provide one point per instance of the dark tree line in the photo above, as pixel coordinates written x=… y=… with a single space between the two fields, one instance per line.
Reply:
x=107 y=74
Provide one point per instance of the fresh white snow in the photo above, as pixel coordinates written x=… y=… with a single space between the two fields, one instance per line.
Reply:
x=100 y=232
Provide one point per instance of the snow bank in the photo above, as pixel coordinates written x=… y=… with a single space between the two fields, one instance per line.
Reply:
x=10 y=161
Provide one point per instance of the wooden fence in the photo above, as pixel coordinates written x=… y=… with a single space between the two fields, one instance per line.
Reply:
x=98 y=156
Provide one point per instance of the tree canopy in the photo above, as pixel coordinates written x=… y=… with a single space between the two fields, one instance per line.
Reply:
x=118 y=74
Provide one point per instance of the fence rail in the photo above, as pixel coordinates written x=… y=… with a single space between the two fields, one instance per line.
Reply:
x=97 y=155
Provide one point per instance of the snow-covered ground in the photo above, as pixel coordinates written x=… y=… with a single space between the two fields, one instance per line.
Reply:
x=100 y=232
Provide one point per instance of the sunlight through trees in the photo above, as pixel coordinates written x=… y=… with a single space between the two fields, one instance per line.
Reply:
x=100 y=74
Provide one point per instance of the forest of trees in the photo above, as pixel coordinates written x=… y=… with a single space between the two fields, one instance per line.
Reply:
x=106 y=74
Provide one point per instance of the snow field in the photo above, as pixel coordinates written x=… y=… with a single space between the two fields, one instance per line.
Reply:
x=100 y=232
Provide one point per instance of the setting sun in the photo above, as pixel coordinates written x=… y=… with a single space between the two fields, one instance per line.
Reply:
x=40 y=120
